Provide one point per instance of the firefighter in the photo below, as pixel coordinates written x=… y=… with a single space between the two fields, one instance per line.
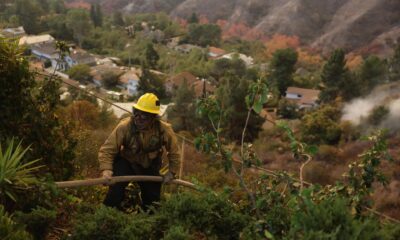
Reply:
x=135 y=147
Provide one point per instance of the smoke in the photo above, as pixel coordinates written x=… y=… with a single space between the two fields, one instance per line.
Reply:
x=387 y=95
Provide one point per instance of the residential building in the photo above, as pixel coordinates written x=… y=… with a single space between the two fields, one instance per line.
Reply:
x=203 y=88
x=303 y=97
x=80 y=57
x=98 y=71
x=35 y=39
x=129 y=81
x=175 y=81
x=246 y=59
x=214 y=52
x=13 y=32
x=186 y=48
x=200 y=86
x=46 y=51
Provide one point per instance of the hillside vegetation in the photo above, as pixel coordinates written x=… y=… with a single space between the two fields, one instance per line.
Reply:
x=265 y=166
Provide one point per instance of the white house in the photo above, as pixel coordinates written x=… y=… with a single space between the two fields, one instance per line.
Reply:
x=246 y=59
x=303 y=97
x=36 y=39
x=13 y=32
x=80 y=57
x=47 y=51
x=129 y=81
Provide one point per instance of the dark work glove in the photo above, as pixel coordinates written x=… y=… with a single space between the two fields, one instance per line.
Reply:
x=168 y=177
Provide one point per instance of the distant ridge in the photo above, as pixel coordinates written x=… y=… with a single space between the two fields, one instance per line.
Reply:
x=351 y=24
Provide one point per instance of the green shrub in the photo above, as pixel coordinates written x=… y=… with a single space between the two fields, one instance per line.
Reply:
x=330 y=219
x=209 y=214
x=9 y=229
x=105 y=224
x=327 y=153
x=37 y=222
x=177 y=233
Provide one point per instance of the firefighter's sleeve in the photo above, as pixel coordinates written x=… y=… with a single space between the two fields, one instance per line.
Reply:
x=172 y=150
x=110 y=148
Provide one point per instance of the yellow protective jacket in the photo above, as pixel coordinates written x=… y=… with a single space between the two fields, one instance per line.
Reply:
x=141 y=147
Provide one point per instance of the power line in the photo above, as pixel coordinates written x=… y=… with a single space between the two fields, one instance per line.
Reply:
x=270 y=172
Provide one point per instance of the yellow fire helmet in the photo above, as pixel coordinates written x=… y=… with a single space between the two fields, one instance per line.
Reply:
x=148 y=102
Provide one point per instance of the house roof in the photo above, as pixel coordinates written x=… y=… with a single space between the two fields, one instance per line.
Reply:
x=98 y=70
x=216 y=51
x=180 y=78
x=199 y=86
x=81 y=56
x=129 y=75
x=308 y=96
x=29 y=40
x=246 y=59
x=187 y=47
x=13 y=32
x=47 y=48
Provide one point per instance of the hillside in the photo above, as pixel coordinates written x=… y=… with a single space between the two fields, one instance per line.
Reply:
x=320 y=24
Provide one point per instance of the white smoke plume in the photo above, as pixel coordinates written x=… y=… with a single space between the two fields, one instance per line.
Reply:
x=387 y=95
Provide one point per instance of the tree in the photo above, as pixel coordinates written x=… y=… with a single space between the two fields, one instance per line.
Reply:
x=58 y=6
x=321 y=126
x=394 y=65
x=117 y=19
x=110 y=79
x=150 y=83
x=372 y=73
x=29 y=112
x=78 y=21
x=58 y=27
x=224 y=66
x=151 y=56
x=182 y=113
x=377 y=115
x=96 y=15
x=204 y=34
x=282 y=65
x=28 y=13
x=193 y=18
x=80 y=72
x=230 y=94
x=334 y=76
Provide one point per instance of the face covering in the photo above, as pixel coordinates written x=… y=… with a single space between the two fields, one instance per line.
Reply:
x=143 y=120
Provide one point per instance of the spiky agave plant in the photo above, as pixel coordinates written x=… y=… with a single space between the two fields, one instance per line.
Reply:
x=15 y=174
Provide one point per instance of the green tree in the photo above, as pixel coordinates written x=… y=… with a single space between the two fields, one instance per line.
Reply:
x=58 y=6
x=151 y=83
x=117 y=19
x=377 y=115
x=78 y=21
x=151 y=55
x=96 y=15
x=224 y=66
x=321 y=126
x=394 y=65
x=372 y=73
x=204 y=34
x=230 y=94
x=29 y=112
x=110 y=79
x=282 y=65
x=28 y=13
x=334 y=76
x=80 y=72
x=193 y=18
x=182 y=113
x=58 y=27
